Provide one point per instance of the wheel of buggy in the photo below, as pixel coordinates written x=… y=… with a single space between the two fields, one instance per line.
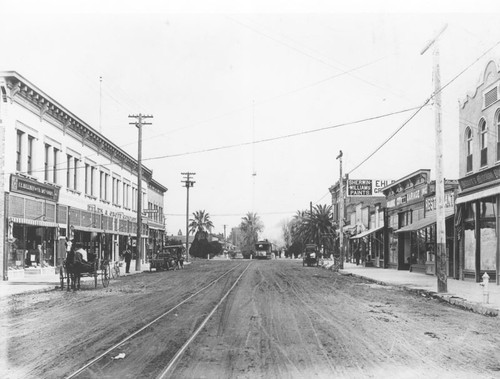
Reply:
x=105 y=274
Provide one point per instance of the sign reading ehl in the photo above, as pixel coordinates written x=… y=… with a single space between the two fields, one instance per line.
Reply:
x=366 y=187
x=31 y=187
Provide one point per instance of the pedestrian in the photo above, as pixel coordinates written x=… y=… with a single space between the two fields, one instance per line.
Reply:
x=127 y=254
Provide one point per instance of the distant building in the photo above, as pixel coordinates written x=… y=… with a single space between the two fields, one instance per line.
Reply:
x=363 y=204
x=411 y=223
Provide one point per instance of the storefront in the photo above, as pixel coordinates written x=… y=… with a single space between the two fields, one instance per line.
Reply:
x=476 y=223
x=370 y=245
x=405 y=206
x=33 y=226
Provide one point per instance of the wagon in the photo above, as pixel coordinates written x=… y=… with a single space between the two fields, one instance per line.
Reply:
x=99 y=268
x=310 y=257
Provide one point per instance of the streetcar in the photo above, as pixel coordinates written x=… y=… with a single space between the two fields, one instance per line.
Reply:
x=264 y=249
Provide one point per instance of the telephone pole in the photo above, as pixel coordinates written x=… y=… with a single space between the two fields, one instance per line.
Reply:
x=139 y=123
x=187 y=183
x=441 y=258
x=341 y=213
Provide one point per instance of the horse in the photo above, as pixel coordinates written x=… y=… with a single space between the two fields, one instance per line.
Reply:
x=74 y=266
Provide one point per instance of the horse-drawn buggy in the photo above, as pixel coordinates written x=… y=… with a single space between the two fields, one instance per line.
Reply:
x=310 y=257
x=74 y=267
x=166 y=259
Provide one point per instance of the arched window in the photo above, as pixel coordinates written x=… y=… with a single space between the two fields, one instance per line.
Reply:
x=468 y=137
x=483 y=130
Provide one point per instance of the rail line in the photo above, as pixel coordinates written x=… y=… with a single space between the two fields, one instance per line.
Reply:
x=179 y=353
x=96 y=359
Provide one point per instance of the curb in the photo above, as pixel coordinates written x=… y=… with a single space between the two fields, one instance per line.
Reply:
x=448 y=298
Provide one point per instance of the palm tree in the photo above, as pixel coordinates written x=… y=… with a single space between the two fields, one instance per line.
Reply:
x=200 y=222
x=251 y=226
x=311 y=227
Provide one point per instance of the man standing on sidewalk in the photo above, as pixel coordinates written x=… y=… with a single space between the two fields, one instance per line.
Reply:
x=128 y=256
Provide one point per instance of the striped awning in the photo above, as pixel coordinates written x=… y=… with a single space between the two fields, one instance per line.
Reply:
x=27 y=221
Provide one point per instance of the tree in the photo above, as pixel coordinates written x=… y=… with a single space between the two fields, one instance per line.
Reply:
x=314 y=227
x=200 y=222
x=250 y=226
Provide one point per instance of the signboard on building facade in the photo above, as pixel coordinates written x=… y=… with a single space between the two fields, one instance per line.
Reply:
x=449 y=202
x=27 y=186
x=366 y=187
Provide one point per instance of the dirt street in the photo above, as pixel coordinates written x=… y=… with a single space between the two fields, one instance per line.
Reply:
x=282 y=320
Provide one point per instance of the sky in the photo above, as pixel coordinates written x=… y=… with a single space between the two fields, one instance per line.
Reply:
x=257 y=98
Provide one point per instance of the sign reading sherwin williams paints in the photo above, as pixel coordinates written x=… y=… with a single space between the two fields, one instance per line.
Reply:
x=366 y=187
x=31 y=187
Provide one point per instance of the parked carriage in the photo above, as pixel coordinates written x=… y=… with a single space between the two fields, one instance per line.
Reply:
x=71 y=271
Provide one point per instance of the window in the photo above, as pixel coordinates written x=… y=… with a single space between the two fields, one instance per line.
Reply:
x=92 y=175
x=490 y=97
x=468 y=136
x=68 y=170
x=19 y=150
x=46 y=163
x=75 y=174
x=484 y=142
x=101 y=185
x=87 y=179
x=54 y=166
x=29 y=169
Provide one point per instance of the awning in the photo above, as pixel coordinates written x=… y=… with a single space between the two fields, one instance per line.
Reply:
x=417 y=225
x=28 y=221
x=367 y=232
x=478 y=195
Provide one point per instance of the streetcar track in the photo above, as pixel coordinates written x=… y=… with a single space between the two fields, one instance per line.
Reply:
x=99 y=357
x=179 y=353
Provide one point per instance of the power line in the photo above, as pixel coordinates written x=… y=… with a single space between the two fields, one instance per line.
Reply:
x=422 y=106
x=281 y=137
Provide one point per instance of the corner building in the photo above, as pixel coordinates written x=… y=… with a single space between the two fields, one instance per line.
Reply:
x=63 y=179
x=479 y=178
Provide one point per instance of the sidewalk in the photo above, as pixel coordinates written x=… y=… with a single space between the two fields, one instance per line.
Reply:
x=47 y=282
x=465 y=294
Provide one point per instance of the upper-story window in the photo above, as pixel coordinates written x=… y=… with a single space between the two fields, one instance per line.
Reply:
x=468 y=141
x=29 y=166
x=46 y=164
x=19 y=150
x=483 y=130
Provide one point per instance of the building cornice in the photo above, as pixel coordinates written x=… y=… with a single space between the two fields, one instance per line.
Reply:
x=20 y=88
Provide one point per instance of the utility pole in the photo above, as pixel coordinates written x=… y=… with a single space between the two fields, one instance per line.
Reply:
x=139 y=123
x=341 y=213
x=187 y=183
x=441 y=258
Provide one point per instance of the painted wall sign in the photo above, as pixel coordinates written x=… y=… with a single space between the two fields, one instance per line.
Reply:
x=31 y=187
x=366 y=187
x=480 y=178
x=449 y=202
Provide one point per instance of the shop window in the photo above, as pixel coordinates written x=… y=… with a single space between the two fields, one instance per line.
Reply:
x=470 y=236
x=468 y=136
x=487 y=229
x=484 y=142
